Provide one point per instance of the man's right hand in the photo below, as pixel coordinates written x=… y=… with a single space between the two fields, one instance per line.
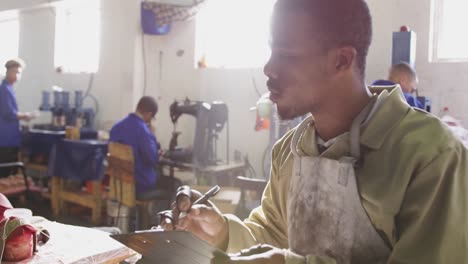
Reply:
x=28 y=116
x=204 y=221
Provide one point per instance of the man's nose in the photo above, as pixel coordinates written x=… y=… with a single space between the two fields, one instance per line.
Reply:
x=270 y=70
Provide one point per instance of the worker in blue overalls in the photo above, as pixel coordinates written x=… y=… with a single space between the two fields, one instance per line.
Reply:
x=10 y=117
x=404 y=75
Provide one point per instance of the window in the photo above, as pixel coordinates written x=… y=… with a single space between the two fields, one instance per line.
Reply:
x=449 y=38
x=233 y=34
x=9 y=27
x=77 y=35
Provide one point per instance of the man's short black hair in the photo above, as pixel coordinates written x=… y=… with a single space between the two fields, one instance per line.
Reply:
x=339 y=23
x=147 y=104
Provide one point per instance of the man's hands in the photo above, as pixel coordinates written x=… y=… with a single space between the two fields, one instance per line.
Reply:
x=28 y=116
x=207 y=223
x=204 y=221
x=261 y=254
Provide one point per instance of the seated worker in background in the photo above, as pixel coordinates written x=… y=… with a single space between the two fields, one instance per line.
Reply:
x=134 y=130
x=365 y=179
x=404 y=75
x=10 y=135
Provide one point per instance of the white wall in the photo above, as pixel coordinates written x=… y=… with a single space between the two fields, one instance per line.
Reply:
x=113 y=84
x=180 y=79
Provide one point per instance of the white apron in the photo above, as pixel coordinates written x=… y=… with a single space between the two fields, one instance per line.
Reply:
x=325 y=214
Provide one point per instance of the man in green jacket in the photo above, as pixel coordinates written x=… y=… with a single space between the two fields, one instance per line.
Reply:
x=367 y=179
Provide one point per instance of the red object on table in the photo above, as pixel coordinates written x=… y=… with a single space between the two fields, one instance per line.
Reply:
x=20 y=243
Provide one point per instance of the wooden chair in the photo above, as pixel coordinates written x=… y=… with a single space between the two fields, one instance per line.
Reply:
x=18 y=186
x=25 y=188
x=122 y=175
x=122 y=184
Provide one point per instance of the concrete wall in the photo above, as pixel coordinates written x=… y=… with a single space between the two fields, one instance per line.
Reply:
x=179 y=79
x=113 y=84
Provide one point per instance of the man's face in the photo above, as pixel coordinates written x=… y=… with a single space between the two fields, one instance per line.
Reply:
x=298 y=79
x=413 y=84
x=409 y=84
x=148 y=117
x=13 y=74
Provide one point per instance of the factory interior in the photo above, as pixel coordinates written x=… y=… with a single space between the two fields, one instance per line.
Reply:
x=125 y=122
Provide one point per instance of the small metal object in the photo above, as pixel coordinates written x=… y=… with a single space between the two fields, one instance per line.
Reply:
x=184 y=194
x=184 y=198
x=166 y=218
x=212 y=192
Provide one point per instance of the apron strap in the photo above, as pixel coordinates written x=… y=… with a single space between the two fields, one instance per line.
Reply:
x=363 y=118
x=298 y=134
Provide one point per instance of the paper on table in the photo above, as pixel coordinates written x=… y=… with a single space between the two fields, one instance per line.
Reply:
x=74 y=244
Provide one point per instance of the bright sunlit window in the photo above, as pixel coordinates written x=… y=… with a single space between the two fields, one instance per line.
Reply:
x=450 y=41
x=9 y=28
x=233 y=34
x=77 y=35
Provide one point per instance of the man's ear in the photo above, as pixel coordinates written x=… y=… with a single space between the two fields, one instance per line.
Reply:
x=404 y=82
x=345 y=57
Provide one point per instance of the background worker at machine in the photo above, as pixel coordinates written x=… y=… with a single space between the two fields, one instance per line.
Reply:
x=134 y=130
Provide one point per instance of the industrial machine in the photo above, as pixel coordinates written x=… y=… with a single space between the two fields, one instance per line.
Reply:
x=65 y=115
x=210 y=121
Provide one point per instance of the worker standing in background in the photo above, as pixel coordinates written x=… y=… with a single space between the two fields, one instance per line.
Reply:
x=10 y=136
x=365 y=179
x=404 y=75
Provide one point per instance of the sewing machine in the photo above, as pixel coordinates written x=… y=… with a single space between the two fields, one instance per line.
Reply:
x=210 y=121
x=65 y=115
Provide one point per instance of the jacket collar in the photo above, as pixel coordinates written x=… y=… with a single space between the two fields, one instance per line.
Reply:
x=388 y=116
x=392 y=110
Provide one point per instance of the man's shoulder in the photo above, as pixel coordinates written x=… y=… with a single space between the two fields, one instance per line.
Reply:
x=4 y=87
x=282 y=148
x=423 y=132
x=124 y=124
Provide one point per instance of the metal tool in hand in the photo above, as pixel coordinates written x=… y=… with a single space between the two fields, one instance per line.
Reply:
x=184 y=204
x=184 y=198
